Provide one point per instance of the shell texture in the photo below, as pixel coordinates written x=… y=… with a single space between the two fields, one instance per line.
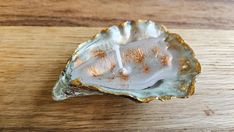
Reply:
x=138 y=59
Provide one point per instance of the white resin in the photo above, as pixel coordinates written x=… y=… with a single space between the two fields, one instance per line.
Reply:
x=137 y=79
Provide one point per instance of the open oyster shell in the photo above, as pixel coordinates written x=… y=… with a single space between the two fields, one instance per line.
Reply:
x=139 y=59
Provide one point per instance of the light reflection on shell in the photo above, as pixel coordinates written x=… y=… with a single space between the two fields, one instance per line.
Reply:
x=156 y=64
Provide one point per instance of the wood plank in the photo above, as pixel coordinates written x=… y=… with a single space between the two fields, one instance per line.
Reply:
x=172 y=13
x=32 y=58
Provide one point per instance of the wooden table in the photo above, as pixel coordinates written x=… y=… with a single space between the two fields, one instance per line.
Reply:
x=32 y=54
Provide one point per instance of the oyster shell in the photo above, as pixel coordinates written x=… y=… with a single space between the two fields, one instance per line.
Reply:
x=139 y=59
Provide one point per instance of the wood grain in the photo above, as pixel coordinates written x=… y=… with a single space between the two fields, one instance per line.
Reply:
x=32 y=58
x=215 y=14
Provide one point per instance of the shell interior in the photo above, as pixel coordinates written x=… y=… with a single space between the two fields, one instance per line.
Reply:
x=137 y=59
